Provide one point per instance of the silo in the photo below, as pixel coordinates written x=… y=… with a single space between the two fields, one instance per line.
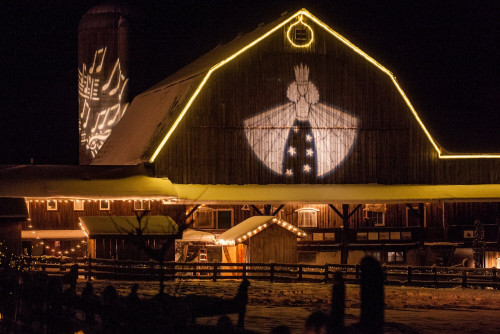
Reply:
x=105 y=36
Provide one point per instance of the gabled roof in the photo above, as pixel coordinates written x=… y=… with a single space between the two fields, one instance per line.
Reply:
x=252 y=226
x=154 y=115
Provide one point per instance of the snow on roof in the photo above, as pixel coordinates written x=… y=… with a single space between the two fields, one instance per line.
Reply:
x=190 y=235
x=146 y=121
x=152 y=114
x=337 y=193
x=123 y=225
x=82 y=182
x=251 y=226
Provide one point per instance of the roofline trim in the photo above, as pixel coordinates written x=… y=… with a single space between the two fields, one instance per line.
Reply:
x=344 y=40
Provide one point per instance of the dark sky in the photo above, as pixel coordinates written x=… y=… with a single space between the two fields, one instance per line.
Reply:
x=444 y=53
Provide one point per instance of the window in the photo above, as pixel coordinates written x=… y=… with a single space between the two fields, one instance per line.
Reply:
x=374 y=215
x=51 y=205
x=204 y=218
x=104 y=205
x=307 y=217
x=394 y=257
x=78 y=205
x=300 y=34
x=142 y=205
x=412 y=218
x=224 y=219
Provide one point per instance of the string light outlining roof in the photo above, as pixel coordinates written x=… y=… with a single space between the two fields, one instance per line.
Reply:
x=442 y=154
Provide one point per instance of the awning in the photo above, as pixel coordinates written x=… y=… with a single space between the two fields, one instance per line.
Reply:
x=190 y=235
x=53 y=234
x=95 y=226
x=338 y=193
x=252 y=226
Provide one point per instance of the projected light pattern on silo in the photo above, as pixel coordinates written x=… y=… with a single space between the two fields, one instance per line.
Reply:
x=101 y=90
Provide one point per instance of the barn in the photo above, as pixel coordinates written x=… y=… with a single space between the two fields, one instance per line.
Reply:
x=294 y=121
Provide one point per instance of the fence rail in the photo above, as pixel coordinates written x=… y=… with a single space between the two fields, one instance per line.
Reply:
x=432 y=276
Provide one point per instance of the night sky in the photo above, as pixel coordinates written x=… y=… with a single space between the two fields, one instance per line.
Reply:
x=444 y=53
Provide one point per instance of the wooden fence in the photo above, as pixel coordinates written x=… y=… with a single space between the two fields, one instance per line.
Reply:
x=274 y=272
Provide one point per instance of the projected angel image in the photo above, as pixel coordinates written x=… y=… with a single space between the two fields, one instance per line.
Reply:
x=302 y=138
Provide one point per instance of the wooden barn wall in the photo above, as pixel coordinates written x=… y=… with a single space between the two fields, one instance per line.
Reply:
x=274 y=244
x=209 y=145
x=466 y=213
x=395 y=215
x=66 y=218
x=122 y=249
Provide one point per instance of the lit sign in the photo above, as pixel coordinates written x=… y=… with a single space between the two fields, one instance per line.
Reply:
x=102 y=102
x=316 y=135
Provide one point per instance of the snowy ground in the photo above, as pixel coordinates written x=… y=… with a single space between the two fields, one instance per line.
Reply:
x=408 y=309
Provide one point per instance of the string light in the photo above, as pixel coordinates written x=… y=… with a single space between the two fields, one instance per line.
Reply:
x=307 y=27
x=299 y=14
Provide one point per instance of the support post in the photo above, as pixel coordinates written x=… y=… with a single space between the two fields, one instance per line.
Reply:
x=344 y=254
x=346 y=216
x=278 y=210
x=256 y=210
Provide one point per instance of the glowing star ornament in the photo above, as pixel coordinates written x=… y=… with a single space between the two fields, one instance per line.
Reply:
x=322 y=129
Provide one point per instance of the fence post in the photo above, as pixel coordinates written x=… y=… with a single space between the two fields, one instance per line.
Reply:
x=409 y=274
x=384 y=269
x=434 y=270
x=116 y=269
x=214 y=278
x=326 y=273
x=244 y=271
x=272 y=272
x=300 y=273
x=89 y=269
x=152 y=270
x=61 y=267
x=464 y=278
x=357 y=273
x=494 y=277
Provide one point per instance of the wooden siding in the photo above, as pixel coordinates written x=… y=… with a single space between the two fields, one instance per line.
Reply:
x=395 y=216
x=65 y=218
x=466 y=213
x=121 y=248
x=273 y=244
x=209 y=145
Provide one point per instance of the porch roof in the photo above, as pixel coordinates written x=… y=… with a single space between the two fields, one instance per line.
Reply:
x=65 y=181
x=95 y=226
x=338 y=193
